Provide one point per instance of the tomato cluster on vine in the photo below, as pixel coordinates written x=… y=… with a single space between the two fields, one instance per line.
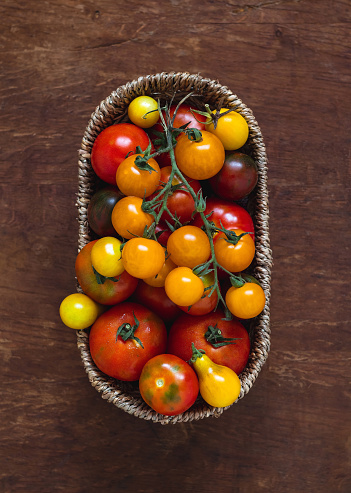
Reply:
x=166 y=280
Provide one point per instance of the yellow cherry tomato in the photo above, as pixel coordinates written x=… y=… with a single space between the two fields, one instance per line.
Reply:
x=232 y=130
x=200 y=160
x=78 y=311
x=137 y=180
x=159 y=280
x=236 y=254
x=143 y=258
x=138 y=111
x=106 y=256
x=246 y=301
x=128 y=218
x=220 y=386
x=183 y=287
x=189 y=246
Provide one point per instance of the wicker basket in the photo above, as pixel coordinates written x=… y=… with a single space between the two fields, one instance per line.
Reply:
x=113 y=109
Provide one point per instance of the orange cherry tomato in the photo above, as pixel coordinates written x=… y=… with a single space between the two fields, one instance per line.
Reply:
x=142 y=257
x=183 y=287
x=200 y=160
x=159 y=279
x=232 y=129
x=134 y=179
x=246 y=301
x=206 y=303
x=237 y=255
x=189 y=246
x=128 y=218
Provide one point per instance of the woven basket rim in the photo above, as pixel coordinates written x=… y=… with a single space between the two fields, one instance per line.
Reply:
x=112 y=110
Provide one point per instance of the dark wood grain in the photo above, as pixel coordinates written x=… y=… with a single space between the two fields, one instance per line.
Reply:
x=290 y=62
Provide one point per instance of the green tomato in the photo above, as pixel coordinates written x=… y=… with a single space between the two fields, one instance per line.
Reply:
x=78 y=311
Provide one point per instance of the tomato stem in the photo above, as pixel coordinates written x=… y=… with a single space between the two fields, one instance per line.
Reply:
x=159 y=202
x=215 y=338
x=197 y=353
x=127 y=330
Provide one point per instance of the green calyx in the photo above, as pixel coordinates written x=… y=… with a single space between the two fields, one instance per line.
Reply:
x=215 y=338
x=100 y=279
x=126 y=331
x=197 y=353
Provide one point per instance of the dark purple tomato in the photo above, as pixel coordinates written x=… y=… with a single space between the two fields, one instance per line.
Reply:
x=100 y=209
x=237 y=178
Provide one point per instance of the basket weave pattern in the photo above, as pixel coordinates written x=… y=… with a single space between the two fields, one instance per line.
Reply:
x=113 y=109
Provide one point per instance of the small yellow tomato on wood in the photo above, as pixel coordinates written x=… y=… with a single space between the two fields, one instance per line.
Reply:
x=78 y=311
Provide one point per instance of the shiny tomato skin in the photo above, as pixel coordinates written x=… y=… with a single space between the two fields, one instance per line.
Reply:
x=183 y=116
x=184 y=287
x=111 y=147
x=180 y=201
x=108 y=293
x=187 y=329
x=100 y=209
x=129 y=219
x=189 y=246
x=156 y=300
x=143 y=257
x=137 y=182
x=246 y=301
x=234 y=257
x=227 y=214
x=202 y=159
x=237 y=178
x=168 y=385
x=121 y=359
x=207 y=303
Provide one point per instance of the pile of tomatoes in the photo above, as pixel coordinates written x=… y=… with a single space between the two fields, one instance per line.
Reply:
x=166 y=283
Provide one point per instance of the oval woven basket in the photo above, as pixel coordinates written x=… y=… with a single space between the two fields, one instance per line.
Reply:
x=113 y=109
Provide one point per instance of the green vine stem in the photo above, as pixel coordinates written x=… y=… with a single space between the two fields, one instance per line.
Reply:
x=160 y=201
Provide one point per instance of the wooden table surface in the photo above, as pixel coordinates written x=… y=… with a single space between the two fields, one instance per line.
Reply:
x=289 y=61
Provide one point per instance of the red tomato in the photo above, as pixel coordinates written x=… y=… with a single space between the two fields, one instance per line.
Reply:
x=108 y=292
x=162 y=233
x=157 y=300
x=237 y=178
x=183 y=116
x=187 y=329
x=100 y=209
x=179 y=202
x=227 y=214
x=111 y=147
x=124 y=338
x=168 y=385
